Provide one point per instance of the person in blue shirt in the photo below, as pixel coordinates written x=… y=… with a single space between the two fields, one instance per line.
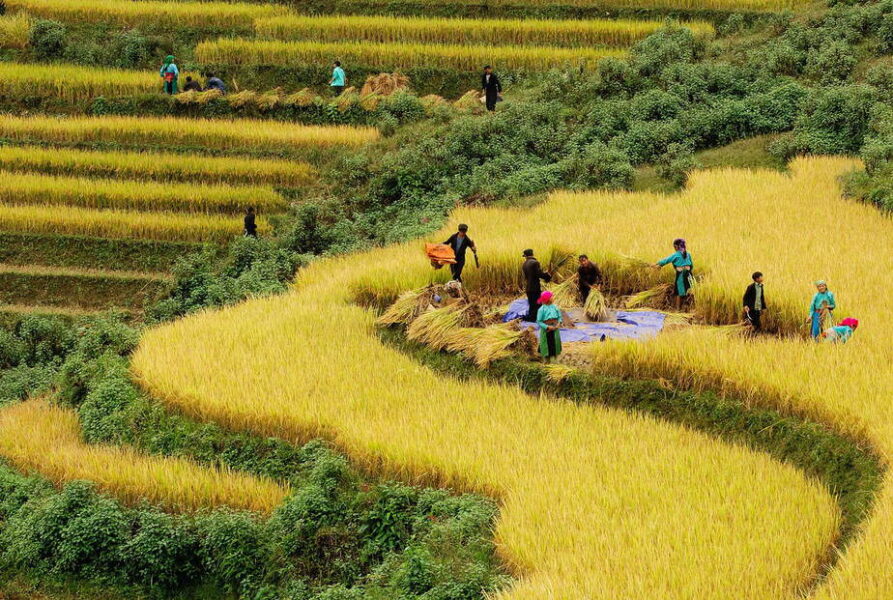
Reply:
x=170 y=74
x=821 y=309
x=215 y=83
x=682 y=263
x=548 y=319
x=339 y=79
x=841 y=333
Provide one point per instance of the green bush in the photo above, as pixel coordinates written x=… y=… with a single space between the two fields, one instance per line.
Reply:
x=47 y=39
x=676 y=163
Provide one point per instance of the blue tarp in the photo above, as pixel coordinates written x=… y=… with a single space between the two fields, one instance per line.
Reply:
x=628 y=325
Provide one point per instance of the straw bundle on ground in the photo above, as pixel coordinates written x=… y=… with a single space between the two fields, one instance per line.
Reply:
x=434 y=327
x=384 y=84
x=596 y=307
x=407 y=307
x=655 y=297
x=565 y=294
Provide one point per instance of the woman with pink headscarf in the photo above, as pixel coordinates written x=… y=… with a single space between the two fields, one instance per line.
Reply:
x=842 y=333
x=548 y=319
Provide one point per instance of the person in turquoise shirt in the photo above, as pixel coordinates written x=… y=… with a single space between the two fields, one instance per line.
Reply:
x=548 y=319
x=682 y=263
x=339 y=79
x=821 y=308
x=170 y=74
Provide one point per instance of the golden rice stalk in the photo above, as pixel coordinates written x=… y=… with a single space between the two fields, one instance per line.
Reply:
x=556 y=373
x=120 y=224
x=488 y=32
x=433 y=327
x=724 y=6
x=565 y=294
x=149 y=14
x=370 y=102
x=495 y=342
x=37 y=435
x=242 y=99
x=562 y=263
x=346 y=99
x=649 y=297
x=190 y=97
x=596 y=307
x=408 y=306
x=158 y=166
x=73 y=82
x=207 y=96
x=304 y=97
x=123 y=194
x=470 y=101
x=218 y=134
x=14 y=31
x=375 y=55
x=269 y=100
x=384 y=84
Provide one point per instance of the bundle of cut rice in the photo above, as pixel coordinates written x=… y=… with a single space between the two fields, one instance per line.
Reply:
x=269 y=100
x=596 y=307
x=190 y=97
x=470 y=102
x=557 y=373
x=370 y=101
x=565 y=294
x=384 y=84
x=650 y=297
x=304 y=97
x=434 y=327
x=240 y=99
x=406 y=308
x=208 y=96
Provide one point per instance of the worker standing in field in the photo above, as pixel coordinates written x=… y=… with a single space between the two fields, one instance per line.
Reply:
x=339 y=79
x=533 y=273
x=588 y=275
x=548 y=318
x=821 y=309
x=460 y=243
x=682 y=263
x=250 y=225
x=755 y=302
x=170 y=74
x=491 y=88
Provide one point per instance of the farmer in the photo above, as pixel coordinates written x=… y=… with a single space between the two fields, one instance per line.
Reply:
x=250 y=225
x=681 y=261
x=548 y=318
x=460 y=243
x=170 y=74
x=822 y=307
x=192 y=85
x=339 y=79
x=755 y=302
x=491 y=87
x=533 y=272
x=215 y=83
x=588 y=276
x=842 y=333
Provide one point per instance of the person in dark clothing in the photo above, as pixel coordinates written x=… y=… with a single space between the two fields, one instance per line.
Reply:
x=250 y=225
x=755 y=302
x=533 y=273
x=460 y=243
x=491 y=87
x=215 y=83
x=192 y=85
x=588 y=275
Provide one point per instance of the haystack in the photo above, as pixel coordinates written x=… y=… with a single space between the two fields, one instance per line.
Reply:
x=304 y=97
x=384 y=84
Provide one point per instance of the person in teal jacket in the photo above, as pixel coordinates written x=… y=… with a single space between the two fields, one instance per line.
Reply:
x=821 y=308
x=682 y=263
x=170 y=74
x=548 y=319
x=841 y=333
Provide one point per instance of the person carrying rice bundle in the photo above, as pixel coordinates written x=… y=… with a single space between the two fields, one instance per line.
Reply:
x=821 y=309
x=588 y=276
x=548 y=319
x=681 y=261
x=842 y=333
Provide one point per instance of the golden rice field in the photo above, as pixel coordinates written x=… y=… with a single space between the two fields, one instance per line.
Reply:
x=156 y=166
x=128 y=194
x=73 y=82
x=118 y=224
x=37 y=436
x=596 y=504
x=631 y=5
x=82 y=272
x=216 y=134
x=148 y=13
x=495 y=32
x=14 y=31
x=242 y=52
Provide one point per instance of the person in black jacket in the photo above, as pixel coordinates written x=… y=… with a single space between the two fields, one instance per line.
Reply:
x=250 y=225
x=755 y=302
x=533 y=272
x=460 y=243
x=588 y=276
x=192 y=85
x=491 y=87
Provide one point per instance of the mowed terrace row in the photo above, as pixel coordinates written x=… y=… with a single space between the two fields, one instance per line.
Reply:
x=84 y=215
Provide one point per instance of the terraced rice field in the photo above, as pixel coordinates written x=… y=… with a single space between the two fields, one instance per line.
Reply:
x=72 y=82
x=590 y=508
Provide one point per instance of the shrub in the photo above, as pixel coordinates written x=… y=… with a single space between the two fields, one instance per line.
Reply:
x=831 y=63
x=47 y=39
x=600 y=166
x=676 y=163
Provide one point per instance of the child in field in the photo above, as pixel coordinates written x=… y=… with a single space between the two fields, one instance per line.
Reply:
x=548 y=318
x=842 y=333
x=821 y=308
